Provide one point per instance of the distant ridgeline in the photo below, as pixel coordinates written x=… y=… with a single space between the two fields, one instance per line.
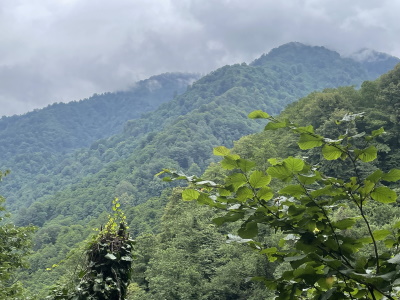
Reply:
x=125 y=138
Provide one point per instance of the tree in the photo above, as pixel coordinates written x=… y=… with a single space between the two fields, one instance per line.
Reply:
x=107 y=270
x=331 y=255
x=14 y=247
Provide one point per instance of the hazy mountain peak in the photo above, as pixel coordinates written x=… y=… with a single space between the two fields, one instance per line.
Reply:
x=370 y=55
x=296 y=52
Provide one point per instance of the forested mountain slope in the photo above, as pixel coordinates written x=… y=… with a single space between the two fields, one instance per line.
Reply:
x=66 y=198
x=62 y=127
x=377 y=101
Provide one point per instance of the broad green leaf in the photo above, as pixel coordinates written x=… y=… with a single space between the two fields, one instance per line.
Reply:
x=306 y=129
x=295 y=210
x=275 y=125
x=248 y=230
x=244 y=193
x=393 y=175
x=245 y=165
x=309 y=141
x=258 y=179
x=267 y=251
x=280 y=172
x=367 y=188
x=307 y=179
x=231 y=216
x=368 y=154
x=377 y=132
x=295 y=190
x=365 y=240
x=205 y=200
x=258 y=114
x=236 y=180
x=224 y=192
x=228 y=163
x=376 y=176
x=265 y=193
x=273 y=161
x=326 y=190
x=331 y=152
x=190 y=194
x=384 y=194
x=221 y=151
x=381 y=234
x=294 y=165
x=397 y=225
x=389 y=243
x=344 y=224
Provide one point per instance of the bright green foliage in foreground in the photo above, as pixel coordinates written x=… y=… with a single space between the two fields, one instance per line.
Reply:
x=15 y=245
x=326 y=261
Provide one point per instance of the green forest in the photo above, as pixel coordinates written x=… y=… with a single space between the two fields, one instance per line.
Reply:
x=276 y=179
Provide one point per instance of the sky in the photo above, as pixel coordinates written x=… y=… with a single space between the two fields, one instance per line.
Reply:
x=64 y=50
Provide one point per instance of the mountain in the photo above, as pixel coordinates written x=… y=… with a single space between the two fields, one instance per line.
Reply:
x=63 y=127
x=64 y=195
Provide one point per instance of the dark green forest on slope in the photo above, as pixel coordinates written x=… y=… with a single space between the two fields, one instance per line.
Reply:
x=180 y=135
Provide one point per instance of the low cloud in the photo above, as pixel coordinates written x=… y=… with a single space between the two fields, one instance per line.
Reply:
x=66 y=50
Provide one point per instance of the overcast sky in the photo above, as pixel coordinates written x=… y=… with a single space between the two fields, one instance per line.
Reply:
x=63 y=50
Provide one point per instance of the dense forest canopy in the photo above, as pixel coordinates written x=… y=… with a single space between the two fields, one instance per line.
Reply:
x=66 y=195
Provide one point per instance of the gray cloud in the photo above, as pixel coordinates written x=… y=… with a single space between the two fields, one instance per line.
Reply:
x=63 y=50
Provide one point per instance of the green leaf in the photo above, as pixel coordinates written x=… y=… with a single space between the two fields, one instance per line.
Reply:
x=265 y=193
x=294 y=165
x=205 y=200
x=190 y=194
x=228 y=163
x=294 y=190
x=273 y=161
x=280 y=172
x=331 y=152
x=244 y=193
x=245 y=165
x=306 y=129
x=275 y=125
x=258 y=114
x=221 y=151
x=392 y=176
x=110 y=256
x=368 y=154
x=377 y=132
x=344 y=224
x=231 y=216
x=309 y=141
x=248 y=230
x=367 y=188
x=376 y=176
x=236 y=180
x=258 y=179
x=384 y=194
x=381 y=234
x=307 y=179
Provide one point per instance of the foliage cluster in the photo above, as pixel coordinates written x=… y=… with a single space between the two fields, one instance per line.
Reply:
x=108 y=267
x=14 y=247
x=326 y=261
